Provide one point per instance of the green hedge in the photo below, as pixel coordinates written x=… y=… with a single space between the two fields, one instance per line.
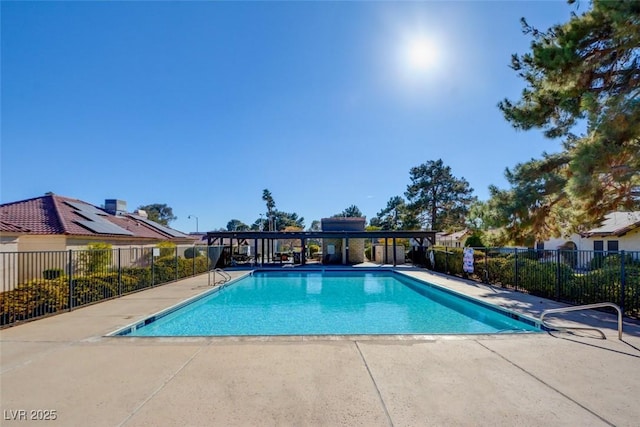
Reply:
x=33 y=299
x=522 y=270
x=40 y=297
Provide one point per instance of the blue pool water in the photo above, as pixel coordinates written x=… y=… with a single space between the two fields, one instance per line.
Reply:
x=335 y=303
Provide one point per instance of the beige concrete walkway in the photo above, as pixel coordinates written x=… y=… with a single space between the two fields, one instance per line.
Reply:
x=65 y=364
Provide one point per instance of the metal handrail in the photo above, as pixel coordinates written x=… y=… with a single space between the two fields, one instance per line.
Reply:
x=583 y=307
x=225 y=276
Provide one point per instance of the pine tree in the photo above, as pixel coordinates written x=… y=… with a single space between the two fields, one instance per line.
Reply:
x=585 y=71
x=436 y=198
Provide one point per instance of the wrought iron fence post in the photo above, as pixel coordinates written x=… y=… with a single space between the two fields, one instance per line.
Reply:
x=515 y=268
x=623 y=282
x=558 y=278
x=153 y=269
x=193 y=254
x=486 y=265
x=446 y=260
x=119 y=273
x=176 y=255
x=70 y=276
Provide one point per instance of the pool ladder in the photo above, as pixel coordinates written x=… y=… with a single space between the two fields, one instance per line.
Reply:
x=225 y=276
x=582 y=307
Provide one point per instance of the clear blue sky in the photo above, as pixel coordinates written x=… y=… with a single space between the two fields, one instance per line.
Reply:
x=202 y=105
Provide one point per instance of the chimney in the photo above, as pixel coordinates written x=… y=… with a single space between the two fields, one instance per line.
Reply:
x=115 y=207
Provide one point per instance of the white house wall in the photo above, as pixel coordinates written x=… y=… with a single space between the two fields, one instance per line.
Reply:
x=628 y=242
x=8 y=262
x=29 y=243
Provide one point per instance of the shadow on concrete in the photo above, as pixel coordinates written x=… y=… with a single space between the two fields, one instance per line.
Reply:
x=633 y=350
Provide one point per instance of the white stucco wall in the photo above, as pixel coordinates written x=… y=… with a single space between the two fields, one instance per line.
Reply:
x=8 y=262
x=379 y=254
x=30 y=243
x=628 y=242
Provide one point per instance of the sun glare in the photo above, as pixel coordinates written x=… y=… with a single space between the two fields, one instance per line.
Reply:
x=420 y=54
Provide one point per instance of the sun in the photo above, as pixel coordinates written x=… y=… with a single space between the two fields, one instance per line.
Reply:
x=420 y=54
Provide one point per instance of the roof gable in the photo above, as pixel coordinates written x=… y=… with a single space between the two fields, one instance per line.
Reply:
x=37 y=215
x=616 y=224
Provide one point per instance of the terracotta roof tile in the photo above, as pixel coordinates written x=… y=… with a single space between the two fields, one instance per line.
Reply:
x=53 y=214
x=7 y=227
x=38 y=215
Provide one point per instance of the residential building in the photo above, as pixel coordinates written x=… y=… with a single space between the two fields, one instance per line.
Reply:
x=619 y=231
x=453 y=240
x=58 y=224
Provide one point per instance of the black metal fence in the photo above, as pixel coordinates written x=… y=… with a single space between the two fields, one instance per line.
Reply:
x=36 y=284
x=574 y=277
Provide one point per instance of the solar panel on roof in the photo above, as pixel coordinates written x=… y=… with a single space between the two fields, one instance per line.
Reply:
x=85 y=208
x=104 y=227
x=85 y=215
x=166 y=230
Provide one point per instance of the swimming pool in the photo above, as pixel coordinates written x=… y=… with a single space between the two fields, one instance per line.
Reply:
x=329 y=303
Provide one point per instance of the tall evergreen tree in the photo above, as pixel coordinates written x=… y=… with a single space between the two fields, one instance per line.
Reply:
x=271 y=206
x=439 y=200
x=395 y=216
x=585 y=71
x=351 y=212
x=283 y=220
x=237 y=225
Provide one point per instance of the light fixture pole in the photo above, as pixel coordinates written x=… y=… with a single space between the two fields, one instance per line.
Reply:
x=190 y=216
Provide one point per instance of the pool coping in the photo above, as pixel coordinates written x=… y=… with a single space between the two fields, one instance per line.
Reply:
x=122 y=332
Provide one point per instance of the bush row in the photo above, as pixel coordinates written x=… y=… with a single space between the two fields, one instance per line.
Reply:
x=553 y=280
x=50 y=294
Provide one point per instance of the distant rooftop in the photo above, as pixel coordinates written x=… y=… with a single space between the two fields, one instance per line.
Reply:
x=343 y=224
x=616 y=224
x=52 y=214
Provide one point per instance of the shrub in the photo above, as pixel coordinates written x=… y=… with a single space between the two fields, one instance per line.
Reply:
x=474 y=241
x=542 y=279
x=615 y=260
x=192 y=252
x=501 y=270
x=419 y=256
x=313 y=249
x=32 y=299
x=164 y=269
x=52 y=273
x=597 y=261
x=96 y=259
x=137 y=278
x=448 y=260
x=94 y=287
x=604 y=285
x=167 y=249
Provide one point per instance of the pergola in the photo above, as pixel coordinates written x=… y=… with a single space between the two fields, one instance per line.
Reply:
x=420 y=236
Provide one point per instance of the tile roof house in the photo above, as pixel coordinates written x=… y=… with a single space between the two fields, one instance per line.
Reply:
x=53 y=222
x=616 y=224
x=619 y=231
x=454 y=240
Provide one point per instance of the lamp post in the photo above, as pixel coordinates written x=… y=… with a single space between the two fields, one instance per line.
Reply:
x=189 y=217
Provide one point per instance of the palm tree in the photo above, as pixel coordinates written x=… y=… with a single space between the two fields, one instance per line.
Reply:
x=271 y=205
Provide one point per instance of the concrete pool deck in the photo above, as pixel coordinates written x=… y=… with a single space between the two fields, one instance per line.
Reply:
x=65 y=364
